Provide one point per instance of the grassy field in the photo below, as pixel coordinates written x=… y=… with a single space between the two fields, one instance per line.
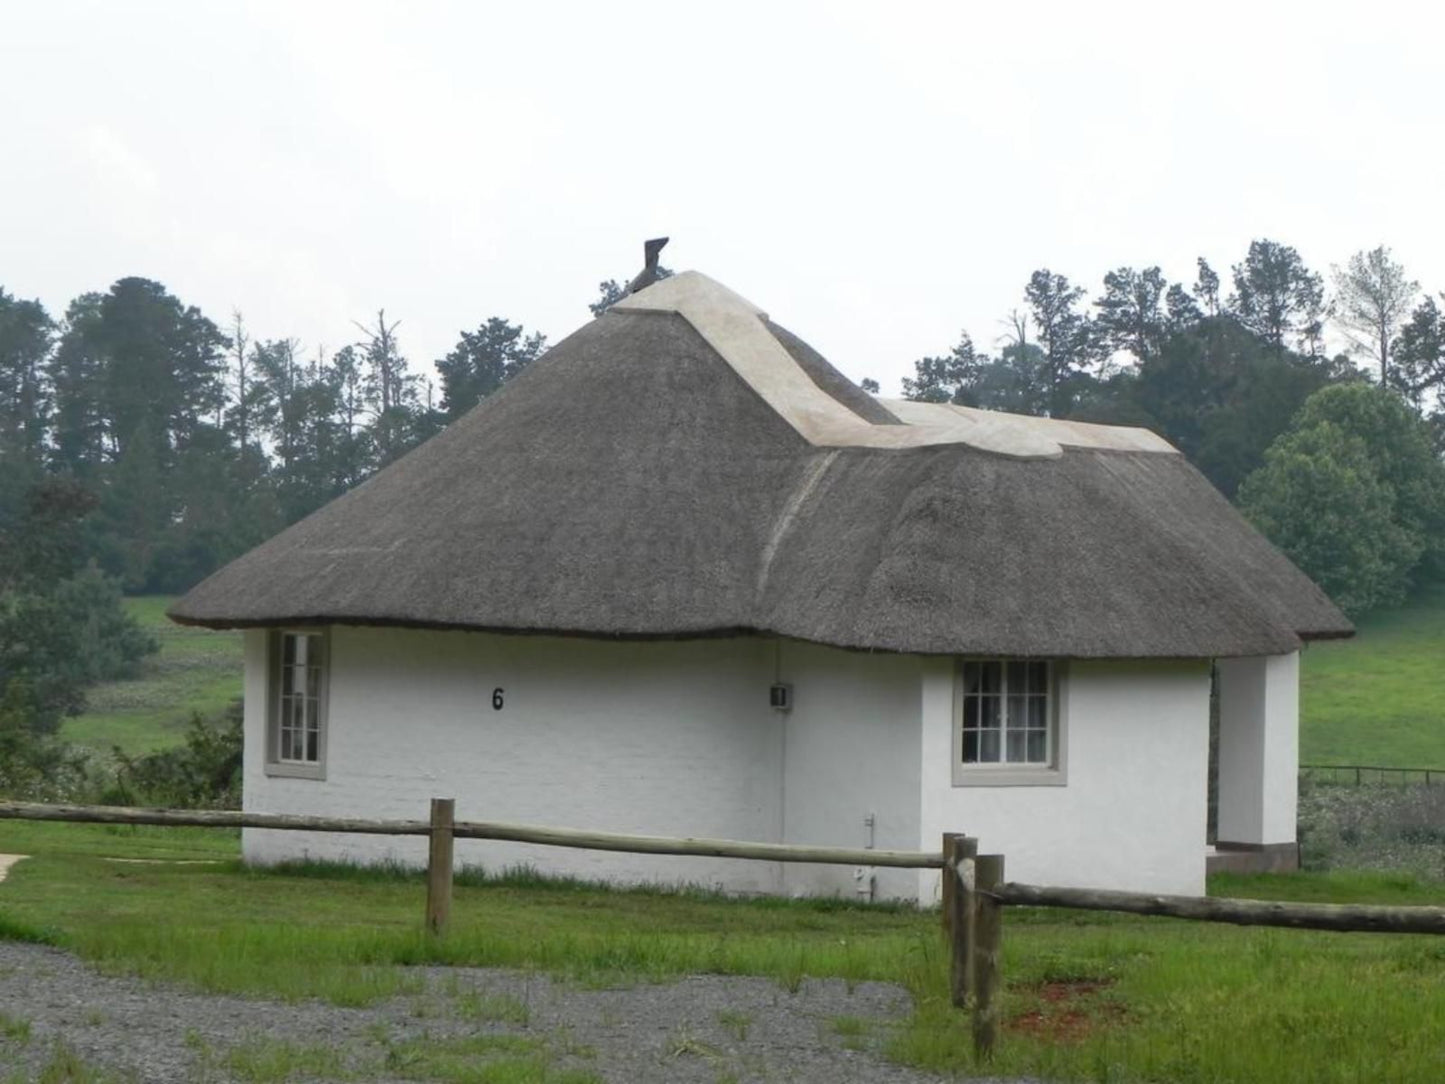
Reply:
x=195 y=670
x=1088 y=997
x=1379 y=698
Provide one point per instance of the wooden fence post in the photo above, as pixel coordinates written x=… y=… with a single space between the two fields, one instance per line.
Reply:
x=439 y=865
x=948 y=884
x=988 y=940
x=958 y=870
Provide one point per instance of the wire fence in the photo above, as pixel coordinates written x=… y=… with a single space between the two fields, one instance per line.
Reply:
x=1359 y=775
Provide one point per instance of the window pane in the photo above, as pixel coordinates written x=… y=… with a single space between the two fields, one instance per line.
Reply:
x=1016 y=679
x=297 y=714
x=1006 y=716
x=991 y=675
x=1017 y=713
x=971 y=678
x=1038 y=712
x=988 y=712
x=1038 y=681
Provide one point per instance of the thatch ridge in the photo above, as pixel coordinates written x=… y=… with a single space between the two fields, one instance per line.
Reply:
x=822 y=373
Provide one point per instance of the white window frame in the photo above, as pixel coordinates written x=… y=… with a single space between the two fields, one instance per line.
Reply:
x=299 y=769
x=1053 y=773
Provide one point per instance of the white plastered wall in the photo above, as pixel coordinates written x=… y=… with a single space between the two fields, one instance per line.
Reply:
x=1132 y=813
x=1258 y=749
x=661 y=738
x=654 y=738
x=677 y=739
x=851 y=752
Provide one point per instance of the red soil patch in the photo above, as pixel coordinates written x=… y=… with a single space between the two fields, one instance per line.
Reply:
x=1070 y=1011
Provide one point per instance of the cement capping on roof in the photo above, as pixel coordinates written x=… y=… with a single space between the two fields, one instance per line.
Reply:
x=734 y=328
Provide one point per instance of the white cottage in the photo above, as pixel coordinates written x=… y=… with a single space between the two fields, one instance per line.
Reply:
x=573 y=608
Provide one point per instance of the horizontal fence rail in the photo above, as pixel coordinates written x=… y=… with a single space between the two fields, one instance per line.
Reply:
x=708 y=848
x=205 y=818
x=1360 y=774
x=496 y=830
x=1348 y=917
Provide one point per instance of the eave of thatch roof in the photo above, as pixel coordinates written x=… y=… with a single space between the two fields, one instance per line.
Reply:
x=682 y=467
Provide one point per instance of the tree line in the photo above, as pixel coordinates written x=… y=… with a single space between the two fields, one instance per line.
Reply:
x=199 y=442
x=142 y=444
x=1339 y=465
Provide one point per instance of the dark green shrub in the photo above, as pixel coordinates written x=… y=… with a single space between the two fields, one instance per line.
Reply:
x=205 y=772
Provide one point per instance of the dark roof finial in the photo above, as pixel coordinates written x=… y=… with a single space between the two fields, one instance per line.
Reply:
x=651 y=250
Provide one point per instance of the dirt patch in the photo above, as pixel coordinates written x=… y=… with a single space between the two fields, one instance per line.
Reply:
x=1069 y=1011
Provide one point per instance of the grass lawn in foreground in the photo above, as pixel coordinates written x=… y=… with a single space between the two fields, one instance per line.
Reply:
x=1378 y=698
x=195 y=670
x=1088 y=996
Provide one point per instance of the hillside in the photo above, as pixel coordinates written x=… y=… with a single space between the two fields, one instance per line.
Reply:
x=1380 y=697
x=195 y=670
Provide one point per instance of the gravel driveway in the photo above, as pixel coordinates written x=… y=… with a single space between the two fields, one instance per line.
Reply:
x=709 y=1029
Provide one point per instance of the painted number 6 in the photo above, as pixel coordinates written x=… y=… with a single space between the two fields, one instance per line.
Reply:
x=497 y=699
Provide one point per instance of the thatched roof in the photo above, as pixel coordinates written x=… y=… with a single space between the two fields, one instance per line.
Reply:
x=683 y=467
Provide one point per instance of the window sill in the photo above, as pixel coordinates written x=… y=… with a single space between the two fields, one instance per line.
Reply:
x=295 y=771
x=1009 y=776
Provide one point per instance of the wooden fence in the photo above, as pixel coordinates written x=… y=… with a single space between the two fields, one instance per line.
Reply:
x=974 y=917
x=974 y=889
x=1360 y=774
x=442 y=828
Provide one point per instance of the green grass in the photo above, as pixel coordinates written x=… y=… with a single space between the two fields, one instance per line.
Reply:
x=1390 y=888
x=1378 y=698
x=65 y=1066
x=472 y=1059
x=56 y=839
x=1087 y=996
x=195 y=670
x=273 y=1061
x=736 y=1021
x=493 y=1008
x=14 y=1029
x=482 y=1059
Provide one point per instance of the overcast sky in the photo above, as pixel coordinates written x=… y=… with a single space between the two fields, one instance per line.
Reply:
x=877 y=177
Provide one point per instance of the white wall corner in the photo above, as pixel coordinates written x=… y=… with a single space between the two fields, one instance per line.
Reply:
x=935 y=770
x=1258 y=749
